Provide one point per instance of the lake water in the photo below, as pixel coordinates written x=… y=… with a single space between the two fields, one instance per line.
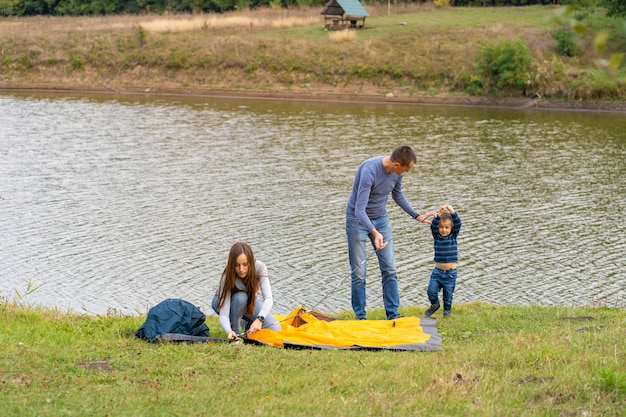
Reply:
x=114 y=203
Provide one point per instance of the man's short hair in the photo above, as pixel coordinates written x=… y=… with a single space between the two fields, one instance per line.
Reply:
x=404 y=155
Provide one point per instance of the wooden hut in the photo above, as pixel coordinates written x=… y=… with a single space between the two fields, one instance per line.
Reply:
x=344 y=14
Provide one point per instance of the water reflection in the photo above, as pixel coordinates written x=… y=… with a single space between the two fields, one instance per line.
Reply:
x=119 y=202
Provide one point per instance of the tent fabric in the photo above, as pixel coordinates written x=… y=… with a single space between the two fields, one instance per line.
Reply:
x=179 y=337
x=306 y=329
x=173 y=315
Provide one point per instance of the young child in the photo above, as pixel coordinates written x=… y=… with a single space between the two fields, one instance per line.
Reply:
x=445 y=227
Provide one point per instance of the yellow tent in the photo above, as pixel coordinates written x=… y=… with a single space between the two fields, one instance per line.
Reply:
x=310 y=329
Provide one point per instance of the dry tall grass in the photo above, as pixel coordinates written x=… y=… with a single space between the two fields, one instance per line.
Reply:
x=235 y=20
x=342 y=36
x=260 y=18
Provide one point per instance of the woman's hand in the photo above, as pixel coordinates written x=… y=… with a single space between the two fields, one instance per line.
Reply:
x=255 y=326
x=232 y=336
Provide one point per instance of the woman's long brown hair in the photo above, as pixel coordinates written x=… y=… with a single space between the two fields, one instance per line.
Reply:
x=250 y=280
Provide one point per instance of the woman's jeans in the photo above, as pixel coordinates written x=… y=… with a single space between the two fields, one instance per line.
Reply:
x=238 y=303
x=439 y=279
x=358 y=236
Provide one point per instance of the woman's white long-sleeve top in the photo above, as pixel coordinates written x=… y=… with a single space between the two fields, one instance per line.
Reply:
x=266 y=293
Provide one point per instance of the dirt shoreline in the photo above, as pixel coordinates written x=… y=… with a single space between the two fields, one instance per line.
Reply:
x=320 y=95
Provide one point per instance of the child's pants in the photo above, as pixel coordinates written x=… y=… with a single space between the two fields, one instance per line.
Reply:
x=439 y=279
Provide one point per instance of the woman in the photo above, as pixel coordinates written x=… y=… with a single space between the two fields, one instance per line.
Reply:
x=236 y=295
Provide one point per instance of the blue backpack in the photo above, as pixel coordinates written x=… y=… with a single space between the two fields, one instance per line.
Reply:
x=173 y=317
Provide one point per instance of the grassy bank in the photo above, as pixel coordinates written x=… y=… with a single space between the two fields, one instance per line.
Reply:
x=495 y=361
x=411 y=52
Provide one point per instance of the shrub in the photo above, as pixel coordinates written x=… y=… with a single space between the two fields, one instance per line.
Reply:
x=505 y=65
x=472 y=84
x=565 y=42
x=142 y=36
x=77 y=63
x=177 y=61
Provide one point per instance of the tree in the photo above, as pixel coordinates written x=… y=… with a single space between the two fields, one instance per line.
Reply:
x=615 y=8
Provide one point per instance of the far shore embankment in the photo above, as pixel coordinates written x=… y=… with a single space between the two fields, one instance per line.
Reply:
x=335 y=95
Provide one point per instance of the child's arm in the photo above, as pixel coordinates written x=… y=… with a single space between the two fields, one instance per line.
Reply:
x=456 y=221
x=434 y=226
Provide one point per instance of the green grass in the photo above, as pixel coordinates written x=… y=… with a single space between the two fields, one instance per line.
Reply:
x=495 y=361
x=411 y=51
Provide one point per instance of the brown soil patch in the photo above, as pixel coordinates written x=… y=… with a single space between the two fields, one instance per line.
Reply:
x=97 y=365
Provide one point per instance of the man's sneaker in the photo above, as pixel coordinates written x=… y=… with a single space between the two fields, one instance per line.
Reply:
x=431 y=310
x=447 y=313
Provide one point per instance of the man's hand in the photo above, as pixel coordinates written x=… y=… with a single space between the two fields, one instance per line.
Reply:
x=379 y=242
x=424 y=218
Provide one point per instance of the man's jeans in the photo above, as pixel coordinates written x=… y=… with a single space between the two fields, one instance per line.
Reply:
x=442 y=279
x=358 y=236
x=238 y=302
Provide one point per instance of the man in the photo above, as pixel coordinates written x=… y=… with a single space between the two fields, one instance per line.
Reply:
x=366 y=218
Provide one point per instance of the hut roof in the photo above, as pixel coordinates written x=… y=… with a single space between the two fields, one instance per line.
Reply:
x=349 y=7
